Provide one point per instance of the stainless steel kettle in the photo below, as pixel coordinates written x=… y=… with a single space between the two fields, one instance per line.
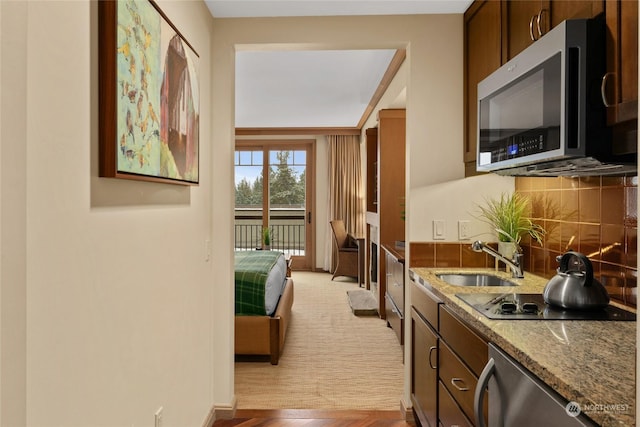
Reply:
x=574 y=287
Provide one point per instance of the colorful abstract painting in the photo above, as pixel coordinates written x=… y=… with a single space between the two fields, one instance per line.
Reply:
x=156 y=101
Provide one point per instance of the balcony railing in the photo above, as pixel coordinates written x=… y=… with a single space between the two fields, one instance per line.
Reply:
x=287 y=228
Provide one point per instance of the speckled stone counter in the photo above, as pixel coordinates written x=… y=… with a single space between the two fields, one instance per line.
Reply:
x=588 y=362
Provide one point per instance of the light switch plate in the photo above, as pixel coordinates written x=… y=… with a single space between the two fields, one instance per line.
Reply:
x=464 y=232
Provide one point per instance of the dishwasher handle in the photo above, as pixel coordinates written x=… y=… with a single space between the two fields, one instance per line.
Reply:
x=481 y=387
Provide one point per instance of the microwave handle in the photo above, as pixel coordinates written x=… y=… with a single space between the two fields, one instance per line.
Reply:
x=478 y=398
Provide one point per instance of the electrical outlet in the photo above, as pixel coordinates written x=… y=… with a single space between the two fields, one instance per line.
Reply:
x=464 y=232
x=158 y=417
x=439 y=229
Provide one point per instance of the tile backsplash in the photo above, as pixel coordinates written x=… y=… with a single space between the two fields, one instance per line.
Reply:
x=597 y=216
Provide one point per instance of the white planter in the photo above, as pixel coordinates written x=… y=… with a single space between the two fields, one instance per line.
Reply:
x=507 y=249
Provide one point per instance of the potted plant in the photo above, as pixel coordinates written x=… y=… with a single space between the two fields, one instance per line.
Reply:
x=266 y=238
x=509 y=216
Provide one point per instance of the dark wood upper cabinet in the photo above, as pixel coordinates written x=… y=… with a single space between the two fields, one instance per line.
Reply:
x=621 y=81
x=571 y=9
x=482 y=55
x=527 y=21
x=524 y=22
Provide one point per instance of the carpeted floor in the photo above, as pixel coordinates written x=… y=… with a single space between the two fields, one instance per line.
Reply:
x=332 y=359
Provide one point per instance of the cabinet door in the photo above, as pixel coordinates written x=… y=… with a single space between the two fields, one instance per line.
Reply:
x=424 y=377
x=372 y=169
x=525 y=22
x=574 y=9
x=482 y=55
x=450 y=414
x=622 y=61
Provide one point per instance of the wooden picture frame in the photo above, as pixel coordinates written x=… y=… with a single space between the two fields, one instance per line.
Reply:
x=149 y=96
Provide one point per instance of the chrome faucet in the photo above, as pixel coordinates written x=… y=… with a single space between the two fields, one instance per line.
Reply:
x=514 y=264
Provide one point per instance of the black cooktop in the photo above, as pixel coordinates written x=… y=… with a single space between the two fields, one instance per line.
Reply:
x=516 y=306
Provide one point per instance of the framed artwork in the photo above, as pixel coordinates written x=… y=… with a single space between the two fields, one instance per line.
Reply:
x=149 y=96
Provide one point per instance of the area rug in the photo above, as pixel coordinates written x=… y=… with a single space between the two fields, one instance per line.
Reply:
x=331 y=359
x=362 y=302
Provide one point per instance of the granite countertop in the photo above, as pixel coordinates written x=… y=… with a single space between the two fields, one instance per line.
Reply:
x=588 y=362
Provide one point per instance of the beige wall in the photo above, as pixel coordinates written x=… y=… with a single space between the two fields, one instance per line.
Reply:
x=107 y=299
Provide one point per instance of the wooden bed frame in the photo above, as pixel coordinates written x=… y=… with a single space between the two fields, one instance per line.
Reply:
x=265 y=335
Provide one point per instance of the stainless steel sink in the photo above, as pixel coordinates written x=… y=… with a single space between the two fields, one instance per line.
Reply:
x=475 y=280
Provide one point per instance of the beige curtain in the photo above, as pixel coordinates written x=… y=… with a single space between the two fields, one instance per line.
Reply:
x=346 y=195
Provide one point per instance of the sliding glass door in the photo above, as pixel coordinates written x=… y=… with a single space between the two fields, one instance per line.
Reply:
x=273 y=191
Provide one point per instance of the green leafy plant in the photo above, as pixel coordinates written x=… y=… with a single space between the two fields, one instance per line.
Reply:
x=266 y=236
x=510 y=217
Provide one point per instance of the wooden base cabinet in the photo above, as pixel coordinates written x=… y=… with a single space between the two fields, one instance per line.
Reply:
x=450 y=413
x=424 y=357
x=447 y=359
x=394 y=296
x=424 y=360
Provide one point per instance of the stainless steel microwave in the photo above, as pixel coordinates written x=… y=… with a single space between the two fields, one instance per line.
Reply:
x=541 y=113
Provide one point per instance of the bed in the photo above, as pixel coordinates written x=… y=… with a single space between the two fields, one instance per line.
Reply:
x=264 y=297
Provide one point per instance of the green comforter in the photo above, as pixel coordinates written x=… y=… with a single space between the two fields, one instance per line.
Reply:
x=251 y=271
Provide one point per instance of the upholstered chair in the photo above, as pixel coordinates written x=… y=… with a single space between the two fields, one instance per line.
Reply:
x=347 y=251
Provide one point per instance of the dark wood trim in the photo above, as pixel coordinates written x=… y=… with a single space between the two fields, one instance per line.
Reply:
x=388 y=76
x=107 y=91
x=168 y=21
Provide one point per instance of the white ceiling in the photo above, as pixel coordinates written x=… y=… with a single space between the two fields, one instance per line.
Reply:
x=320 y=88
x=272 y=8
x=307 y=88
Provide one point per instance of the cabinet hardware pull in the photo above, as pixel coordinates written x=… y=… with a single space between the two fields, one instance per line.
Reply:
x=433 y=347
x=459 y=380
x=542 y=11
x=531 y=35
x=603 y=89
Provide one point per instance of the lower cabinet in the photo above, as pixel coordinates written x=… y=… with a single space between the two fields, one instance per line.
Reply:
x=458 y=379
x=450 y=413
x=394 y=296
x=447 y=359
x=424 y=370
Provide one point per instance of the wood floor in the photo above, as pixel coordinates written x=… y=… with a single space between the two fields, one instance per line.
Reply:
x=313 y=418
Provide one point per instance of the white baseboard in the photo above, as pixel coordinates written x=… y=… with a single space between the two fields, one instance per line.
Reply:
x=220 y=412
x=407 y=411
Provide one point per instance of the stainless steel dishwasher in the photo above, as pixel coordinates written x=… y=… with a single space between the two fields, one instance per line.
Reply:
x=517 y=398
